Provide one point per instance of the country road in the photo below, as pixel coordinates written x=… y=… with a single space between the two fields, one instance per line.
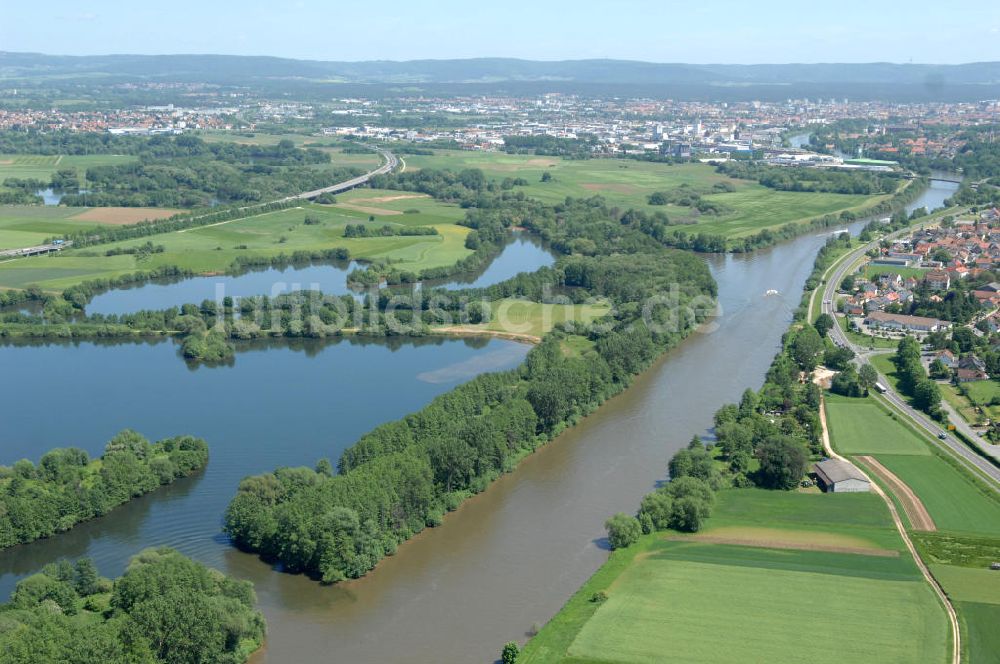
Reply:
x=833 y=280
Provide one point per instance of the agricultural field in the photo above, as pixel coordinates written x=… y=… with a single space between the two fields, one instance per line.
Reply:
x=955 y=503
x=213 y=248
x=30 y=225
x=966 y=513
x=781 y=603
x=41 y=167
x=748 y=209
x=861 y=426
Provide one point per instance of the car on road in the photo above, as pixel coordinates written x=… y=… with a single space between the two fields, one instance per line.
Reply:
x=943 y=436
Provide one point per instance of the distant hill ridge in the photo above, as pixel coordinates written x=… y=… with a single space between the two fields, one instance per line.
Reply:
x=233 y=69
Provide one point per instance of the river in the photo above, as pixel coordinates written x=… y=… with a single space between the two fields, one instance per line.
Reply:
x=504 y=562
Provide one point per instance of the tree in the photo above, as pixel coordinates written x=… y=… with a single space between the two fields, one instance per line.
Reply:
x=867 y=376
x=806 y=348
x=823 y=324
x=658 y=508
x=546 y=177
x=927 y=396
x=85 y=577
x=510 y=653
x=847 y=383
x=782 y=462
x=623 y=530
x=939 y=369
x=848 y=283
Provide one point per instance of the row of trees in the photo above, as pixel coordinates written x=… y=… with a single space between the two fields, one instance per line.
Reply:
x=166 y=608
x=913 y=379
x=812 y=179
x=67 y=486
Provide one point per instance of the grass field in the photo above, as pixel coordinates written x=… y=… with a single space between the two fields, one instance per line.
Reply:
x=213 y=248
x=860 y=426
x=954 y=502
x=513 y=316
x=681 y=600
x=627 y=184
x=30 y=225
x=982 y=638
x=871 y=271
x=41 y=167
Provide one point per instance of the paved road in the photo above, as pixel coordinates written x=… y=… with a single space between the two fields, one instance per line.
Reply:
x=959 y=448
x=391 y=161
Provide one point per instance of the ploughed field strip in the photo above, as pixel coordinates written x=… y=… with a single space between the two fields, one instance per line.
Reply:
x=773 y=538
x=916 y=513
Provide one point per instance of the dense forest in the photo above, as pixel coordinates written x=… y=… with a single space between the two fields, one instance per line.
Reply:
x=812 y=179
x=165 y=608
x=67 y=486
x=552 y=146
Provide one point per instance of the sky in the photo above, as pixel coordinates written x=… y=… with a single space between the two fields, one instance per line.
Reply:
x=695 y=31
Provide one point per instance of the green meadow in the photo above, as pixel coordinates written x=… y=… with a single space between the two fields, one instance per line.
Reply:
x=41 y=167
x=30 y=225
x=213 y=248
x=954 y=501
x=748 y=209
x=523 y=317
x=862 y=426
x=675 y=598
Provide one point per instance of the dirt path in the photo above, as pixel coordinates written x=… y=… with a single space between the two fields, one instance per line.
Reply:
x=460 y=331
x=918 y=515
x=956 y=632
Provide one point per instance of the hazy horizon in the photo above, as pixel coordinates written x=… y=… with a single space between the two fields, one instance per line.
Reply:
x=721 y=32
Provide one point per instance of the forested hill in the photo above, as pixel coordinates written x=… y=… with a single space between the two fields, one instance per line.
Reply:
x=975 y=80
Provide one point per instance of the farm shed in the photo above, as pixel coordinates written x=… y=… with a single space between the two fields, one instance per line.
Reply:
x=838 y=476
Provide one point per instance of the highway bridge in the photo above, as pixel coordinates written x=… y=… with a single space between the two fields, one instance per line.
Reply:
x=391 y=162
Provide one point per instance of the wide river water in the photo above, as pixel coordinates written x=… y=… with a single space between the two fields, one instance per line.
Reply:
x=504 y=562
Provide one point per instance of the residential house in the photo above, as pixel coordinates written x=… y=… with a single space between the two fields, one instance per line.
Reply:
x=938 y=280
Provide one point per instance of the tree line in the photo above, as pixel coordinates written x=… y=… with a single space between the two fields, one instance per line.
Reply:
x=67 y=486
x=165 y=608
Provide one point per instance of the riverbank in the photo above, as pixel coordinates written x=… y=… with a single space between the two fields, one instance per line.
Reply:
x=758 y=543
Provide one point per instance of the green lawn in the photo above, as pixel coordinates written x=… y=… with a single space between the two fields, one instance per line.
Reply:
x=213 y=248
x=627 y=184
x=871 y=271
x=861 y=426
x=682 y=600
x=954 y=502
